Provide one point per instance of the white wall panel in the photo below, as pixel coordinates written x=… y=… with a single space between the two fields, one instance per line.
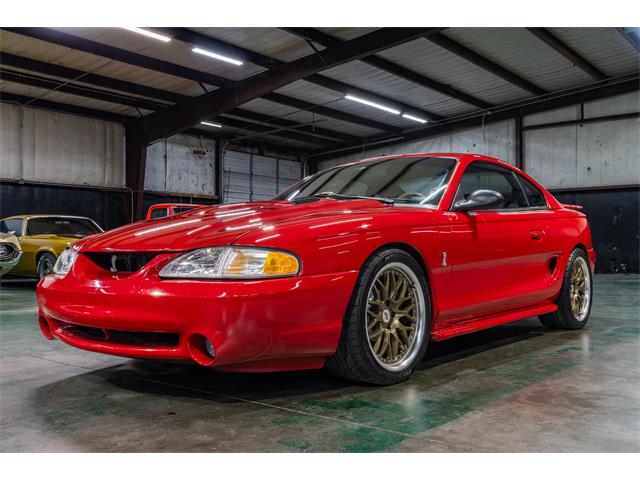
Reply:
x=181 y=164
x=589 y=155
x=495 y=139
x=608 y=153
x=550 y=156
x=45 y=146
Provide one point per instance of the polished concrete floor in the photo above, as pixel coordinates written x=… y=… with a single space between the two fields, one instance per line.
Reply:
x=515 y=388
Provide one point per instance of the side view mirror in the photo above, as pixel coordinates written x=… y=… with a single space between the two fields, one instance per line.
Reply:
x=480 y=200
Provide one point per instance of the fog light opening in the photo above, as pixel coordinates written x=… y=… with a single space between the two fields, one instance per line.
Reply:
x=201 y=350
x=44 y=327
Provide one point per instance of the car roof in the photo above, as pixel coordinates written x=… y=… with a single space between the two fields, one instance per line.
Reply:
x=41 y=215
x=463 y=158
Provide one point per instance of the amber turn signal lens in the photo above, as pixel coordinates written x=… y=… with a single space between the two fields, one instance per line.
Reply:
x=279 y=263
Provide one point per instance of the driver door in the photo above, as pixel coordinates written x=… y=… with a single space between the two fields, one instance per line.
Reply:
x=498 y=257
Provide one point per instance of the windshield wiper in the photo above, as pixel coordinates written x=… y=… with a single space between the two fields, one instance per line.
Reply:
x=340 y=196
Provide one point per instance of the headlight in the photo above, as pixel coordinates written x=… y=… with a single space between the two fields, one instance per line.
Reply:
x=232 y=262
x=65 y=261
x=6 y=251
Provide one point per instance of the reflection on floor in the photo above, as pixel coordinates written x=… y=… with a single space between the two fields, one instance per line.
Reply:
x=518 y=387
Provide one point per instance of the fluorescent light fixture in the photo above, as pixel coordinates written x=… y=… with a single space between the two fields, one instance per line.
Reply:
x=216 y=56
x=147 y=33
x=415 y=119
x=210 y=124
x=372 y=104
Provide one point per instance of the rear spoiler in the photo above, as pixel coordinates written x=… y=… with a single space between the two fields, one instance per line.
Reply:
x=572 y=207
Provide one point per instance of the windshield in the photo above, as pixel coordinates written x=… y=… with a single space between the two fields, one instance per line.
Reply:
x=415 y=180
x=62 y=226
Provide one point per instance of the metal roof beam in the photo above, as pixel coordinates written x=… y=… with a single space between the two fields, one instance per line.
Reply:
x=44 y=68
x=563 y=49
x=187 y=114
x=282 y=122
x=82 y=91
x=120 y=55
x=61 y=107
x=74 y=75
x=50 y=84
x=605 y=88
x=95 y=48
x=328 y=112
x=195 y=38
x=484 y=63
x=381 y=63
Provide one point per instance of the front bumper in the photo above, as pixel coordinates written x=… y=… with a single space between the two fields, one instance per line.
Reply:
x=274 y=324
x=7 y=266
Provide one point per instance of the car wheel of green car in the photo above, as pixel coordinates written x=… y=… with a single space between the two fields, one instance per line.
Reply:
x=46 y=261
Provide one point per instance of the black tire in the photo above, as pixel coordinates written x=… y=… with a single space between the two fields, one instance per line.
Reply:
x=564 y=318
x=46 y=261
x=354 y=359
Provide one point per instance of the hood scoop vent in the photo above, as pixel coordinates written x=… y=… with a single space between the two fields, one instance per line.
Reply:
x=121 y=261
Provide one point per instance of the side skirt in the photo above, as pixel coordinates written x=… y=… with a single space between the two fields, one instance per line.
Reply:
x=483 y=323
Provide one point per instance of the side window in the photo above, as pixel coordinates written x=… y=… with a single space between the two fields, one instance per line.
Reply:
x=486 y=176
x=159 y=212
x=535 y=196
x=12 y=225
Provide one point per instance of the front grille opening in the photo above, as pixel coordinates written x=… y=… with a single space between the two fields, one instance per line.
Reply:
x=121 y=337
x=121 y=261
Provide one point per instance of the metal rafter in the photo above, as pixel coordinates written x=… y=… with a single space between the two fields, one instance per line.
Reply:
x=125 y=56
x=87 y=92
x=81 y=91
x=484 y=63
x=605 y=88
x=186 y=114
x=316 y=36
x=220 y=46
x=89 y=46
x=62 y=107
x=74 y=76
x=328 y=112
x=282 y=122
x=563 y=49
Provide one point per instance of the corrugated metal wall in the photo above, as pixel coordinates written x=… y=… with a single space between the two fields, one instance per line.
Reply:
x=45 y=146
x=585 y=155
x=181 y=164
x=496 y=139
x=249 y=176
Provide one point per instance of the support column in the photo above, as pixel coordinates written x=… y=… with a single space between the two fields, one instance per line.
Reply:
x=519 y=143
x=219 y=169
x=136 y=160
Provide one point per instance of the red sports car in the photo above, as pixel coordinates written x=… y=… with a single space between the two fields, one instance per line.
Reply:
x=357 y=268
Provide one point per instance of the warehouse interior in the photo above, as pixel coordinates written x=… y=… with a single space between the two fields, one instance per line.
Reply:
x=105 y=122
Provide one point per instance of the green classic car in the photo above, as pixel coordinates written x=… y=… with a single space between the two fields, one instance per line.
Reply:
x=43 y=238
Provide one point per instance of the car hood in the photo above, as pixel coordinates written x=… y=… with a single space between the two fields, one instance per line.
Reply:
x=219 y=225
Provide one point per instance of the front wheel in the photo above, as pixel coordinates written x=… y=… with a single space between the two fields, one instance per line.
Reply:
x=576 y=295
x=386 y=326
x=46 y=261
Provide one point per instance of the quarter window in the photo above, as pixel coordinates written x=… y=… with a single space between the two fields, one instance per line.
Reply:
x=534 y=196
x=485 y=176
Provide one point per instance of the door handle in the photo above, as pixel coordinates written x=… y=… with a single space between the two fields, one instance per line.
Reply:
x=537 y=234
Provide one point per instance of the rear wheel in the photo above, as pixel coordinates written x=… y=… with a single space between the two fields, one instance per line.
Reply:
x=46 y=261
x=575 y=298
x=386 y=326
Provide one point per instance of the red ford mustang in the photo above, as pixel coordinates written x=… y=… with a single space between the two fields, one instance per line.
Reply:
x=357 y=268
